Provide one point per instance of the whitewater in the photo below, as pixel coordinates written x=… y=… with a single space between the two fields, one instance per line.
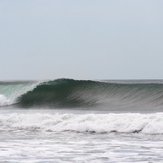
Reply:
x=68 y=120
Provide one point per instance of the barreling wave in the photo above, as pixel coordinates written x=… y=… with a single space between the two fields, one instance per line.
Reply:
x=84 y=93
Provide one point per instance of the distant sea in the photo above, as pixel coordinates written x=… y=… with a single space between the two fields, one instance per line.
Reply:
x=67 y=120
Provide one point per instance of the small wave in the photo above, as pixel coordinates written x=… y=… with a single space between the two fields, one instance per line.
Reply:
x=92 y=123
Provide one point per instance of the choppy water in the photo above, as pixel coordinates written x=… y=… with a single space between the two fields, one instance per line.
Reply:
x=79 y=136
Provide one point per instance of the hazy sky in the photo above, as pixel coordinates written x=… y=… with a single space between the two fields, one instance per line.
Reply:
x=81 y=39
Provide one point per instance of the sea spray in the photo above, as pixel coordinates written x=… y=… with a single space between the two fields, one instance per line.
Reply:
x=3 y=100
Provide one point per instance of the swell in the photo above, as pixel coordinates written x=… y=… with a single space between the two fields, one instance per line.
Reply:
x=86 y=93
x=69 y=93
x=62 y=93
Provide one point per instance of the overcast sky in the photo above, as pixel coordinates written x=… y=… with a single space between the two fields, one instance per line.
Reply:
x=81 y=39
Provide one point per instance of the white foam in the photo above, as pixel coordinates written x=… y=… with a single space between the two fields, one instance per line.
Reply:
x=3 y=100
x=98 y=123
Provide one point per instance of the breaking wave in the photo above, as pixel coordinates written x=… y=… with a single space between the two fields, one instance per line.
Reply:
x=3 y=100
x=83 y=93
x=91 y=123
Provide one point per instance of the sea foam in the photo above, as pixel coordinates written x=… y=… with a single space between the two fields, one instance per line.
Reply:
x=92 y=123
x=3 y=100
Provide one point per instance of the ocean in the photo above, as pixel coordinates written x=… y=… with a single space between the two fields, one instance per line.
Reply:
x=67 y=120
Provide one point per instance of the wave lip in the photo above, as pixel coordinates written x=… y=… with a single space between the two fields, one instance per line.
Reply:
x=11 y=91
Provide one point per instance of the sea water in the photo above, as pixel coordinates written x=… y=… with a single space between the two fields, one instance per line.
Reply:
x=68 y=120
x=46 y=135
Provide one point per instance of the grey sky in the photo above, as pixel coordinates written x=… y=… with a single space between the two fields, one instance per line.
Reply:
x=81 y=39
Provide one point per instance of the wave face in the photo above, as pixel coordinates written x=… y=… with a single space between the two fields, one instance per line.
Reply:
x=112 y=95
